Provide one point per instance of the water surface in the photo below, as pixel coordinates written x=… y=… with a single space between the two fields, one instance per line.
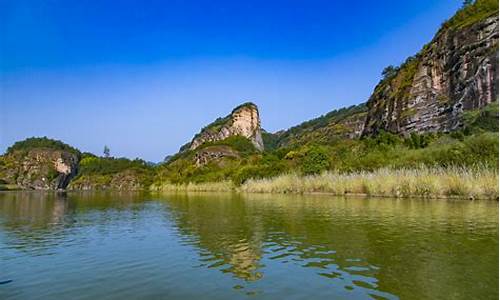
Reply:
x=228 y=246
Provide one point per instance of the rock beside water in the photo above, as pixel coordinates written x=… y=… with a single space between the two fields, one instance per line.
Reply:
x=39 y=169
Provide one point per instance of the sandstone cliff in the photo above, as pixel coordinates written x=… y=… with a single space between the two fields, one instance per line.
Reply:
x=39 y=169
x=243 y=121
x=457 y=71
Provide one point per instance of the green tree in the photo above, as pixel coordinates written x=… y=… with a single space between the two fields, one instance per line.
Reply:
x=389 y=71
x=315 y=161
x=106 y=151
x=467 y=3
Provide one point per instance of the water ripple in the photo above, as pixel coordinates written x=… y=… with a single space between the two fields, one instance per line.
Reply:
x=116 y=246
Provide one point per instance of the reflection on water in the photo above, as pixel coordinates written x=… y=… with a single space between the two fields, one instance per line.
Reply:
x=226 y=246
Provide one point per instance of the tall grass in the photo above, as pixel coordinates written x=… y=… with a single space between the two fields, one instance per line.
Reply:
x=223 y=186
x=477 y=183
x=454 y=182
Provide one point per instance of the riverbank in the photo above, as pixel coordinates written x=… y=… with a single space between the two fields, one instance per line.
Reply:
x=478 y=183
x=9 y=187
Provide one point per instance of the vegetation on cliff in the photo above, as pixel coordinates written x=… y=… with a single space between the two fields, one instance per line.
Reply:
x=471 y=13
x=112 y=173
x=305 y=132
x=43 y=163
x=38 y=163
x=40 y=143
x=243 y=120
x=457 y=71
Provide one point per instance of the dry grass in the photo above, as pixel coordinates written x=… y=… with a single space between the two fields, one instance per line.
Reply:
x=478 y=183
x=223 y=186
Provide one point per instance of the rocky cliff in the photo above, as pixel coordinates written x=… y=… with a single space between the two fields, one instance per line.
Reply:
x=39 y=169
x=47 y=164
x=346 y=122
x=214 y=153
x=457 y=71
x=243 y=121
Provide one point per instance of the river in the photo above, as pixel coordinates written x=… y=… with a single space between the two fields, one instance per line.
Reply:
x=113 y=245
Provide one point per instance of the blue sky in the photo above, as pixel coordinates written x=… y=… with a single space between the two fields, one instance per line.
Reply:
x=144 y=76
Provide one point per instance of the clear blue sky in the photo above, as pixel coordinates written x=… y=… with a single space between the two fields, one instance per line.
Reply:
x=144 y=76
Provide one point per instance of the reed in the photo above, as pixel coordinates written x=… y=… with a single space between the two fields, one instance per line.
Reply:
x=223 y=186
x=477 y=183
x=425 y=182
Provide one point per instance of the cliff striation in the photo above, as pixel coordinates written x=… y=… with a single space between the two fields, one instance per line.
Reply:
x=456 y=72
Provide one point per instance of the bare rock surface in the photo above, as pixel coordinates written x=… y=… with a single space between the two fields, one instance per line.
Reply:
x=457 y=71
x=244 y=121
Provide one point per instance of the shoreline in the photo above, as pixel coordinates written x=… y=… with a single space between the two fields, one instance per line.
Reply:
x=426 y=183
x=348 y=195
x=479 y=183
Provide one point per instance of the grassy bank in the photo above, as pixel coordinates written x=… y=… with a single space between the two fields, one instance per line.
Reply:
x=9 y=187
x=468 y=183
x=223 y=186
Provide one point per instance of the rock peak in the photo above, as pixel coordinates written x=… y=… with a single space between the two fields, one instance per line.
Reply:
x=244 y=120
x=248 y=104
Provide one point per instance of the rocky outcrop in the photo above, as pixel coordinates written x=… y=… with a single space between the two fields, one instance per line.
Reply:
x=350 y=127
x=213 y=153
x=127 y=180
x=40 y=169
x=244 y=121
x=456 y=72
x=346 y=122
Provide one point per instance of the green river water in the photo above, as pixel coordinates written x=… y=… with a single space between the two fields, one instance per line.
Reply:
x=230 y=246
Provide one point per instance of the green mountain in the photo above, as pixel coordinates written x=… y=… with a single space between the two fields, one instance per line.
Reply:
x=438 y=108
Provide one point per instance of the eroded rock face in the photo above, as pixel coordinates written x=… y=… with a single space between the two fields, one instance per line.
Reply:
x=351 y=127
x=41 y=169
x=243 y=121
x=457 y=71
x=127 y=180
x=213 y=153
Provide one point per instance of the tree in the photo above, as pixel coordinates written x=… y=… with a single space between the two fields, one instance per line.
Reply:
x=106 y=151
x=315 y=161
x=389 y=71
x=467 y=3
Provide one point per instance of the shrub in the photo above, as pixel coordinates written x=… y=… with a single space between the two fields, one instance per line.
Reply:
x=315 y=160
x=472 y=13
x=41 y=142
x=236 y=142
